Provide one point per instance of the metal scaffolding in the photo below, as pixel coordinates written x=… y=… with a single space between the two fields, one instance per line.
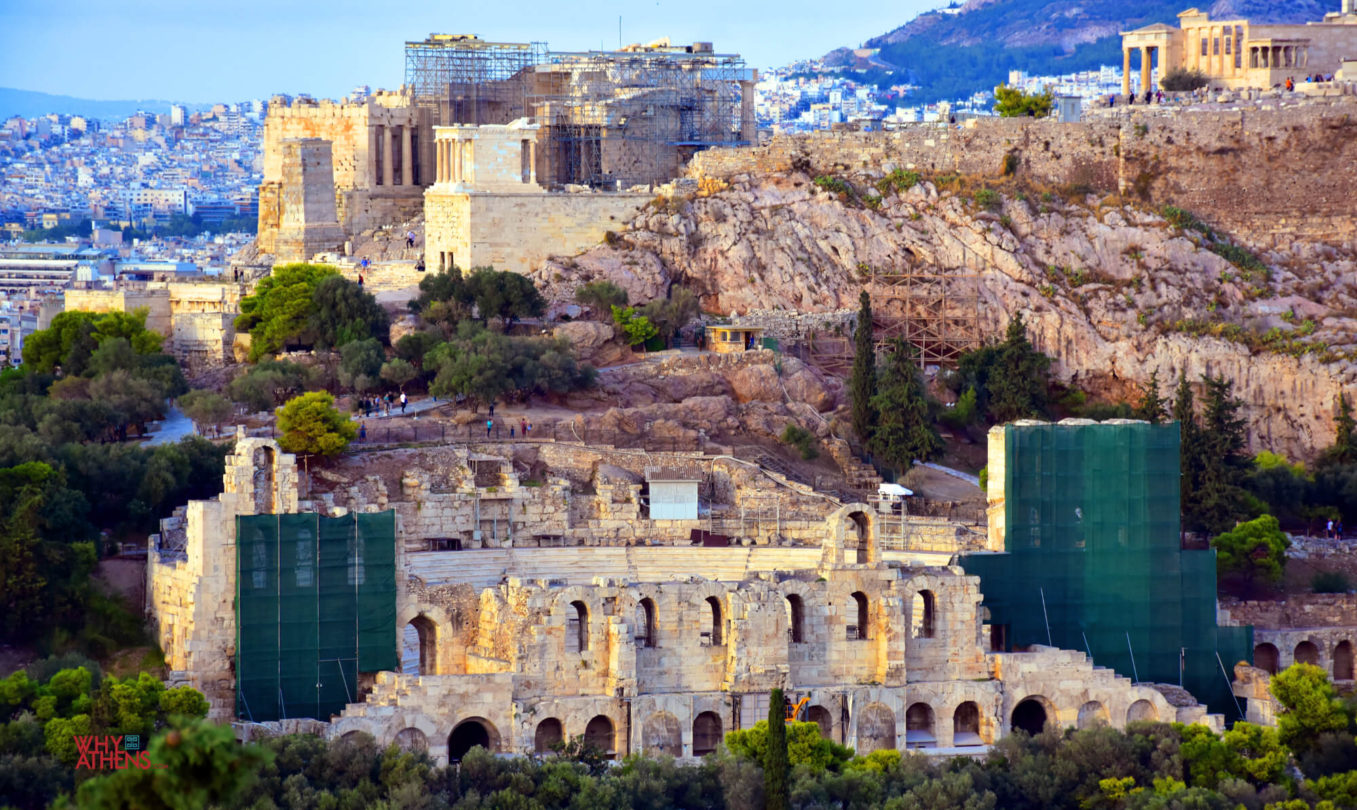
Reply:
x=935 y=310
x=609 y=119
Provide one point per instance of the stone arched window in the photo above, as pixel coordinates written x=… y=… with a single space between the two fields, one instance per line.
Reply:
x=857 y=632
x=1265 y=657
x=919 y=731
x=1342 y=661
x=577 y=628
x=923 y=623
x=966 y=725
x=714 y=633
x=706 y=733
x=645 y=623
x=419 y=652
x=796 y=617
x=599 y=734
x=549 y=733
x=1307 y=653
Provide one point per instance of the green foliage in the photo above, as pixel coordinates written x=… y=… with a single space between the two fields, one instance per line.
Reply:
x=1330 y=582
x=1011 y=102
x=898 y=181
x=834 y=185
x=601 y=296
x=398 y=372
x=805 y=747
x=1254 y=551
x=269 y=383
x=862 y=383
x=279 y=312
x=484 y=366
x=343 y=312
x=1214 y=464
x=904 y=431
x=205 y=408
x=360 y=364
x=505 y=295
x=1310 y=706
x=669 y=315
x=74 y=336
x=1018 y=381
x=636 y=328
x=803 y=440
x=203 y=765
x=310 y=424
x=964 y=413
x=1152 y=407
x=989 y=199
x=1183 y=80
x=984 y=478
x=1344 y=447
x=775 y=762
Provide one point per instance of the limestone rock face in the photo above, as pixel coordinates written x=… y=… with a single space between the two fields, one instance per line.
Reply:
x=1108 y=288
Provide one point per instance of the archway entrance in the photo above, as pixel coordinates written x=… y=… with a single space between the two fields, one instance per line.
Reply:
x=1029 y=716
x=419 y=647
x=861 y=537
x=706 y=733
x=820 y=716
x=599 y=734
x=470 y=733
x=1342 y=661
x=1092 y=715
x=966 y=725
x=1265 y=657
x=1307 y=653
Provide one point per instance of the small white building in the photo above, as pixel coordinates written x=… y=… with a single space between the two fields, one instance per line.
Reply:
x=673 y=494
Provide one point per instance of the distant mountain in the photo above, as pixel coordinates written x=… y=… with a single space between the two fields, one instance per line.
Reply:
x=30 y=104
x=956 y=52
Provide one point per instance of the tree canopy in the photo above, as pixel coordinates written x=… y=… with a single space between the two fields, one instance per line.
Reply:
x=1011 y=102
x=447 y=298
x=1255 y=552
x=904 y=431
x=309 y=424
x=1018 y=381
x=279 y=312
x=343 y=312
x=862 y=383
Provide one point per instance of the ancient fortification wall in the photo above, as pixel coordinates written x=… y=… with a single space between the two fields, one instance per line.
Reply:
x=1259 y=171
x=196 y=318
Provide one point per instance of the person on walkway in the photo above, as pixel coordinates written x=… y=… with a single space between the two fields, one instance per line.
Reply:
x=362 y=432
x=1328 y=530
x=409 y=239
x=360 y=281
x=492 y=407
x=489 y=423
x=404 y=401
x=523 y=426
x=511 y=430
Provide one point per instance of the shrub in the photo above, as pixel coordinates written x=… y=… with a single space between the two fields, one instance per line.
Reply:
x=310 y=424
x=989 y=199
x=1182 y=80
x=803 y=440
x=1330 y=582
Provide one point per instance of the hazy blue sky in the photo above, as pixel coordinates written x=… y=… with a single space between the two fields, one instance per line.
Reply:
x=208 y=50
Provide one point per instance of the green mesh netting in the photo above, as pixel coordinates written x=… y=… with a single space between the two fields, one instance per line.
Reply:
x=1093 y=559
x=315 y=605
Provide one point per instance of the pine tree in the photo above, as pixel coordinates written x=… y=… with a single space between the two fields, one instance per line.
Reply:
x=1018 y=383
x=1184 y=413
x=862 y=385
x=775 y=766
x=904 y=429
x=1152 y=407
x=1344 y=450
x=1214 y=462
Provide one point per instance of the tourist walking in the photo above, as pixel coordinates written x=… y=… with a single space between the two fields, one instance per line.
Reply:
x=409 y=239
x=404 y=400
x=489 y=423
x=1328 y=530
x=362 y=432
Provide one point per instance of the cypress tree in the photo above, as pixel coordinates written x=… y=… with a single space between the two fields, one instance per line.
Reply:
x=1152 y=407
x=1018 y=381
x=775 y=766
x=1184 y=413
x=904 y=429
x=862 y=385
x=1343 y=450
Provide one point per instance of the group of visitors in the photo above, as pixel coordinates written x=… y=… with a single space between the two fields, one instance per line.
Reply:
x=1155 y=96
x=1334 y=530
x=524 y=426
x=381 y=406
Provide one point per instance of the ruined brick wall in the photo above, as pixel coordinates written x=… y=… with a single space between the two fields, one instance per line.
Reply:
x=1264 y=171
x=1297 y=611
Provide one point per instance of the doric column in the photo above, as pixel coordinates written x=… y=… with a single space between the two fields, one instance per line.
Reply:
x=372 y=157
x=387 y=156
x=1125 y=71
x=1144 y=69
x=456 y=147
x=440 y=162
x=407 y=156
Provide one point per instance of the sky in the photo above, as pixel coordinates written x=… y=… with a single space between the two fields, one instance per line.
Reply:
x=209 y=50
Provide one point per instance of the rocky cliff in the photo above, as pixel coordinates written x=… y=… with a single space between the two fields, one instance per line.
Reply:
x=1109 y=287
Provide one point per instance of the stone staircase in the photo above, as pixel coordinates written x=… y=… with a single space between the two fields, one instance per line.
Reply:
x=861 y=477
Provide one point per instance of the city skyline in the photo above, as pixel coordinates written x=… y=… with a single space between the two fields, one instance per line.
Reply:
x=254 y=48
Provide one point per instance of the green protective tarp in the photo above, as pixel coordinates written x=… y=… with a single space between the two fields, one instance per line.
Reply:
x=1093 y=558
x=315 y=605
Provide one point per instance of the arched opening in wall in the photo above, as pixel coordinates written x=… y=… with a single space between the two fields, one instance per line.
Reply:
x=1142 y=711
x=923 y=621
x=821 y=717
x=714 y=632
x=966 y=725
x=419 y=647
x=861 y=537
x=706 y=733
x=1265 y=657
x=265 y=491
x=577 y=628
x=796 y=613
x=599 y=734
x=1093 y=715
x=470 y=733
x=645 y=623
x=549 y=732
x=352 y=737
x=876 y=729
x=858 y=632
x=1342 y=661
x=919 y=727
x=1029 y=716
x=411 y=739
x=660 y=734
x=1307 y=653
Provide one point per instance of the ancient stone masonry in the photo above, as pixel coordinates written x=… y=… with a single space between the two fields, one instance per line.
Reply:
x=648 y=645
x=197 y=319
x=381 y=155
x=1265 y=172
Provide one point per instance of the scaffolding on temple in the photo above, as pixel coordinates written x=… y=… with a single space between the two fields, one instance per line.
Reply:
x=609 y=119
